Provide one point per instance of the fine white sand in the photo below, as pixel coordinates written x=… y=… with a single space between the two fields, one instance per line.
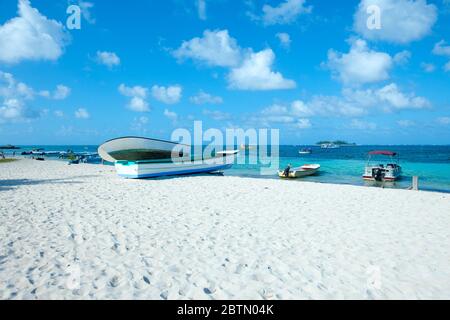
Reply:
x=81 y=232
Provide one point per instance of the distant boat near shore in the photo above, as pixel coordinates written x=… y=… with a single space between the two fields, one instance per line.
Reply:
x=300 y=172
x=305 y=151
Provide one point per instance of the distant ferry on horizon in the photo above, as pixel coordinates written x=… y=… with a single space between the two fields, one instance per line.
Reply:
x=305 y=151
x=329 y=146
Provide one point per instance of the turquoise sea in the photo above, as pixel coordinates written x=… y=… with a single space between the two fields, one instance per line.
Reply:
x=342 y=166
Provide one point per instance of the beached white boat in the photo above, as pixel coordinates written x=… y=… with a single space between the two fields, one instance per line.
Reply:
x=300 y=172
x=390 y=171
x=137 y=158
x=156 y=168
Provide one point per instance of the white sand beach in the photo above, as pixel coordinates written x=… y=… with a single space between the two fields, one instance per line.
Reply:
x=81 y=232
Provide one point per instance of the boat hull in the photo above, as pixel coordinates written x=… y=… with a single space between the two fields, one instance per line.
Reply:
x=143 y=170
x=386 y=173
x=367 y=178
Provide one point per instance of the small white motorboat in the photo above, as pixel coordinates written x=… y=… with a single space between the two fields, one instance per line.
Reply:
x=300 y=172
x=390 y=171
x=305 y=151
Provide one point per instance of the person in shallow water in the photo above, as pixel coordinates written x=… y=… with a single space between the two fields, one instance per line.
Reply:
x=287 y=171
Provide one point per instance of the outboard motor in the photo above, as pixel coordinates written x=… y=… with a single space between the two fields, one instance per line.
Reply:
x=378 y=174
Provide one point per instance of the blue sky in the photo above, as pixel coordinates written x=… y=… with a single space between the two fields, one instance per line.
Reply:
x=312 y=69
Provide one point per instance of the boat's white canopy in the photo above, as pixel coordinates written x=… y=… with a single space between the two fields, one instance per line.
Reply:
x=136 y=147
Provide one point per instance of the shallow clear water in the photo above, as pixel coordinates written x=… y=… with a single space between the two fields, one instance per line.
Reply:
x=344 y=165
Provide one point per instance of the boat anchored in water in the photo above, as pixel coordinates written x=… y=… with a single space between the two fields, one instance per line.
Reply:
x=329 y=146
x=390 y=171
x=136 y=158
x=300 y=172
x=305 y=151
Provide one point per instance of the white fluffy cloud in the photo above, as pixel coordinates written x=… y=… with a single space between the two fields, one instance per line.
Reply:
x=302 y=124
x=167 y=95
x=172 y=116
x=402 y=57
x=396 y=99
x=109 y=59
x=361 y=65
x=362 y=125
x=285 y=13
x=11 y=110
x=300 y=109
x=441 y=49
x=217 y=115
x=58 y=113
x=447 y=67
x=16 y=96
x=215 y=48
x=256 y=73
x=82 y=113
x=205 y=98
x=352 y=103
x=138 y=95
x=86 y=11
x=139 y=125
x=294 y=115
x=428 y=67
x=406 y=123
x=9 y=87
x=358 y=102
x=295 y=109
x=402 y=21
x=285 y=39
x=31 y=36
x=443 y=120
x=248 y=70
x=61 y=92
x=201 y=9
